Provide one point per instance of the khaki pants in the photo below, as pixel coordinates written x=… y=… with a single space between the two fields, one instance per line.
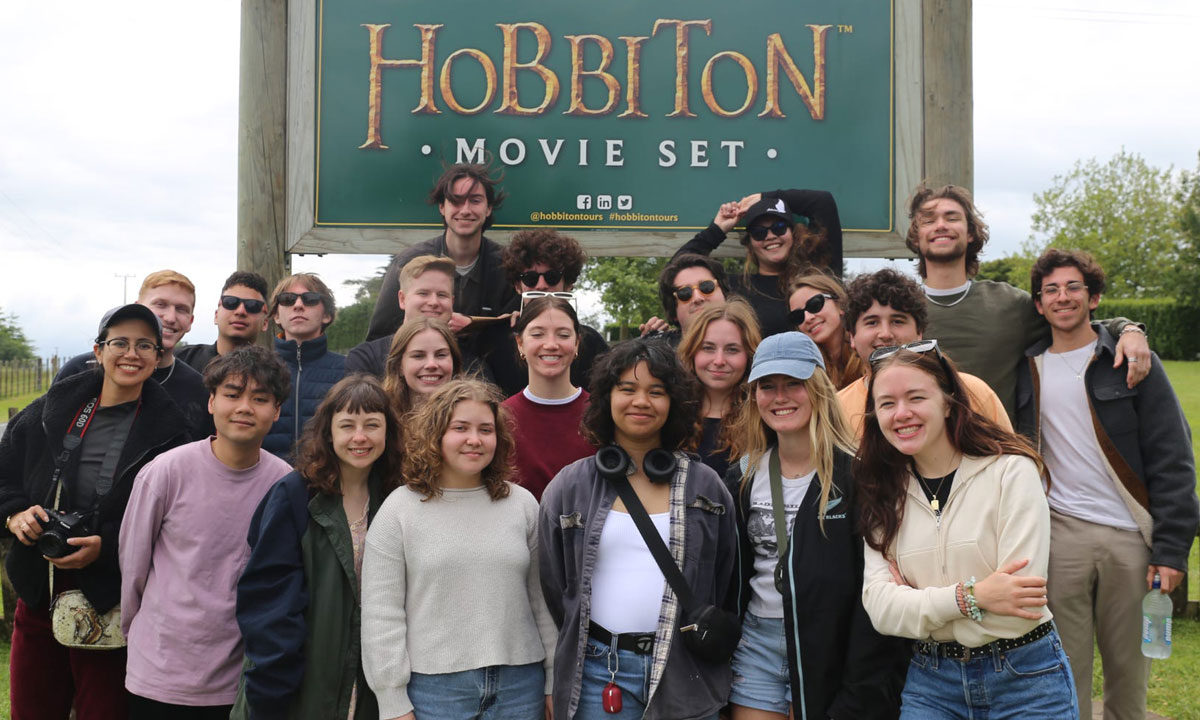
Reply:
x=1097 y=579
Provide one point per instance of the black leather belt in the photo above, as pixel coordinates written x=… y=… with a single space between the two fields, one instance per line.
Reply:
x=640 y=643
x=962 y=652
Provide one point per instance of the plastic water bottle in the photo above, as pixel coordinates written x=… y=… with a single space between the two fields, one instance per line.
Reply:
x=1156 y=623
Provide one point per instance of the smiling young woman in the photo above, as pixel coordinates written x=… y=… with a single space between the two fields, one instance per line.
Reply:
x=957 y=529
x=618 y=627
x=547 y=413
x=424 y=356
x=817 y=305
x=716 y=348
x=806 y=640
x=450 y=582
x=298 y=606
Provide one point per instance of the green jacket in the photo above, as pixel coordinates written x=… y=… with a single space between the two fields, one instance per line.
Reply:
x=298 y=609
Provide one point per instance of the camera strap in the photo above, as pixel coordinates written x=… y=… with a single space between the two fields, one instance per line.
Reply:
x=71 y=443
x=73 y=440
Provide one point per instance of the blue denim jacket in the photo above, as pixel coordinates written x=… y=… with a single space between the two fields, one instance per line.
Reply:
x=574 y=508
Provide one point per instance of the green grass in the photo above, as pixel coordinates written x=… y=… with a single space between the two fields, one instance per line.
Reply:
x=17 y=401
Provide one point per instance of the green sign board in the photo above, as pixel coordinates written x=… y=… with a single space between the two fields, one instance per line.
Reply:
x=617 y=116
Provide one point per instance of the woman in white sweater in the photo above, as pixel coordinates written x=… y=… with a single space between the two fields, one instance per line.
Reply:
x=958 y=532
x=454 y=624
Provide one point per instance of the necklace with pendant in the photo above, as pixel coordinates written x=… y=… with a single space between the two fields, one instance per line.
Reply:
x=934 y=504
x=1078 y=373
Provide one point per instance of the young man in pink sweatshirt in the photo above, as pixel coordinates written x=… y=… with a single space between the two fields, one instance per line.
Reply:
x=183 y=545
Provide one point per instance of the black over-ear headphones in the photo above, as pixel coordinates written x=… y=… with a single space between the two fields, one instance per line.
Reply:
x=659 y=465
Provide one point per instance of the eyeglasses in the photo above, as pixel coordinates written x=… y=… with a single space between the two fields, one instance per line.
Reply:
x=253 y=307
x=288 y=299
x=777 y=228
x=1049 y=292
x=531 y=295
x=122 y=345
x=685 y=292
x=529 y=278
x=920 y=347
x=812 y=306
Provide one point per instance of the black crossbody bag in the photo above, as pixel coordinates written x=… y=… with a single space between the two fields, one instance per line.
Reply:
x=709 y=632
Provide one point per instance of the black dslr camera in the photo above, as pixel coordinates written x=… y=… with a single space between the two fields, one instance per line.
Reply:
x=62 y=525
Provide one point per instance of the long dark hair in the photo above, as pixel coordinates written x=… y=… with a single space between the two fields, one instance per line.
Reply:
x=882 y=471
x=315 y=458
x=682 y=391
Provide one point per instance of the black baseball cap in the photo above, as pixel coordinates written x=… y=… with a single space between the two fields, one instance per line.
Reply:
x=132 y=311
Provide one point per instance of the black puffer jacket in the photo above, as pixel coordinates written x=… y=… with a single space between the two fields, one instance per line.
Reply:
x=30 y=443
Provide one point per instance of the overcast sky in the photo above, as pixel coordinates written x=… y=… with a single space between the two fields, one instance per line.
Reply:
x=118 y=137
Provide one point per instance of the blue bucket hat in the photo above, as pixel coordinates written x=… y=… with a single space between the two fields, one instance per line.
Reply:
x=791 y=353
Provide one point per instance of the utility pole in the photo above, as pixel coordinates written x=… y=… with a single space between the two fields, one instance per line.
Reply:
x=124 y=287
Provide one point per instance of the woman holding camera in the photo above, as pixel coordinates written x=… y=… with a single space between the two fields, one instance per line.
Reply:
x=67 y=464
x=621 y=652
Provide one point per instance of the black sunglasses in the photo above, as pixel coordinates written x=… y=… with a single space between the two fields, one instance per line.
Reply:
x=706 y=287
x=529 y=278
x=288 y=299
x=231 y=302
x=812 y=306
x=777 y=228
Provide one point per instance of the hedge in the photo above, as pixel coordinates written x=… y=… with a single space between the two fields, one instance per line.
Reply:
x=1174 y=328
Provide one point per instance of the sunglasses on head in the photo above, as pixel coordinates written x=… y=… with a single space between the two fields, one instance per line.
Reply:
x=920 y=347
x=706 y=287
x=812 y=306
x=310 y=298
x=777 y=228
x=529 y=278
x=531 y=295
x=231 y=302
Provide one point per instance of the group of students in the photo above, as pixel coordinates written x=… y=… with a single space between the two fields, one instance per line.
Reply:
x=782 y=501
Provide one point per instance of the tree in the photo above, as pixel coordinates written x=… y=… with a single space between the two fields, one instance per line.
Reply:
x=13 y=343
x=1125 y=213
x=349 y=328
x=1012 y=269
x=1187 y=268
x=628 y=288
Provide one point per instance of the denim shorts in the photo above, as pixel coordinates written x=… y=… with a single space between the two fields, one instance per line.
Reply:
x=760 y=666
x=1032 y=682
x=499 y=692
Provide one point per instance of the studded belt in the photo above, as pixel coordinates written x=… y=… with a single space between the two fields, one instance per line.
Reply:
x=957 y=651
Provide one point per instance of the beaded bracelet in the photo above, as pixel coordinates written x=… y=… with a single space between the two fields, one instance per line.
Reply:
x=973 y=610
x=1132 y=327
x=960 y=597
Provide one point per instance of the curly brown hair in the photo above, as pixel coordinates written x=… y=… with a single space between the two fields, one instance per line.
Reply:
x=393 y=374
x=1052 y=259
x=543 y=245
x=882 y=471
x=315 y=457
x=889 y=288
x=976 y=227
x=423 y=445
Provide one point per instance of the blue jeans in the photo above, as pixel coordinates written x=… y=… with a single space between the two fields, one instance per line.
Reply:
x=633 y=677
x=1031 y=682
x=498 y=692
x=760 y=666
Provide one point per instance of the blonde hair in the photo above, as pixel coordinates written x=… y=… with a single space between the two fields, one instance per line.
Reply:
x=167 y=277
x=850 y=366
x=422 y=264
x=828 y=431
x=423 y=442
x=741 y=314
x=393 y=375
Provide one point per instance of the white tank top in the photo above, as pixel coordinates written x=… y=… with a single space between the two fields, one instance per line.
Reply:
x=627 y=586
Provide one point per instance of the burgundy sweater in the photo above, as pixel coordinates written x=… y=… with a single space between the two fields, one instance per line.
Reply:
x=547 y=438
